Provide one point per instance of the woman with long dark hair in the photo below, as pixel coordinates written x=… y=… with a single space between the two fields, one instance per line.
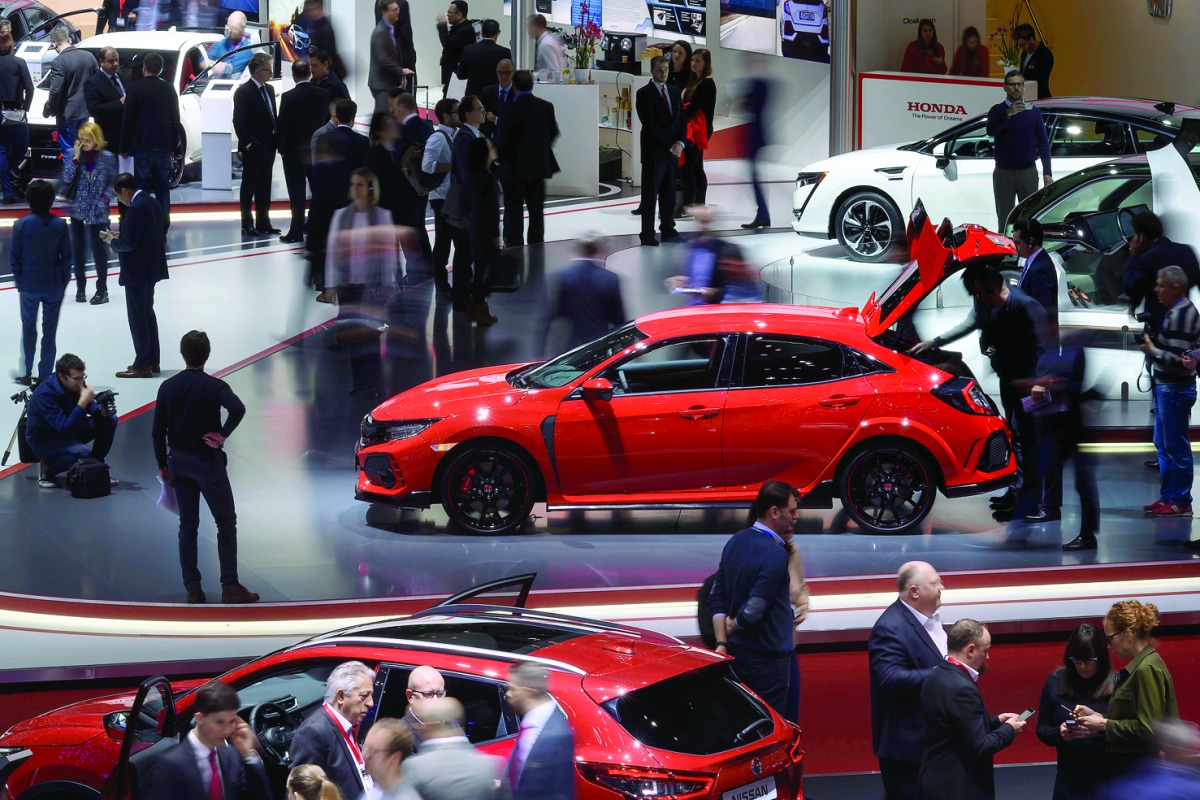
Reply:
x=484 y=197
x=699 y=108
x=925 y=54
x=971 y=58
x=681 y=65
x=16 y=95
x=1085 y=678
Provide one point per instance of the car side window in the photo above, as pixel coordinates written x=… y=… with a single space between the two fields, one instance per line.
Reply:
x=488 y=715
x=18 y=26
x=296 y=687
x=1107 y=193
x=690 y=365
x=784 y=361
x=972 y=143
x=35 y=17
x=1081 y=137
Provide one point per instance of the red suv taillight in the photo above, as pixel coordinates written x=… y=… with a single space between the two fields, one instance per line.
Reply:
x=641 y=782
x=796 y=748
x=967 y=396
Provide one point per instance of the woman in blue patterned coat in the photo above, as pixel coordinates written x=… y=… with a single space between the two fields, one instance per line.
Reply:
x=96 y=168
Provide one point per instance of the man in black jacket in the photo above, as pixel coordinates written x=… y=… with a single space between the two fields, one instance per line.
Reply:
x=119 y=15
x=456 y=33
x=524 y=145
x=302 y=110
x=320 y=34
x=323 y=75
x=338 y=153
x=1037 y=62
x=177 y=774
x=1149 y=251
x=150 y=132
x=68 y=74
x=328 y=737
x=660 y=110
x=497 y=97
x=480 y=60
x=414 y=132
x=404 y=43
x=960 y=737
x=104 y=94
x=254 y=123
x=141 y=246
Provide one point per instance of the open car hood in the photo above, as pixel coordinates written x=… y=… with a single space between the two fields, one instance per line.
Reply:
x=934 y=255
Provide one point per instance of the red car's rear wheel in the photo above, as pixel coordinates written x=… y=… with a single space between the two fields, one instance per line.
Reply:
x=887 y=488
x=488 y=489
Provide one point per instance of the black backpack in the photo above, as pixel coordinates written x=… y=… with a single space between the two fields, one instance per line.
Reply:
x=88 y=478
x=410 y=163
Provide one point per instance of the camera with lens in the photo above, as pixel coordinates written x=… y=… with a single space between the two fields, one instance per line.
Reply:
x=107 y=401
x=1147 y=320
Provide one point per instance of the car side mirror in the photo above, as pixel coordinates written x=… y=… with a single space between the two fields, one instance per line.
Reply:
x=598 y=389
x=114 y=724
x=941 y=151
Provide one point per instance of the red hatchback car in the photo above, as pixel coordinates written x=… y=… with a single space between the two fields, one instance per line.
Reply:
x=653 y=717
x=699 y=406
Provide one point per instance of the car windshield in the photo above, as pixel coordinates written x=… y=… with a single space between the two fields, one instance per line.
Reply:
x=699 y=713
x=569 y=366
x=127 y=55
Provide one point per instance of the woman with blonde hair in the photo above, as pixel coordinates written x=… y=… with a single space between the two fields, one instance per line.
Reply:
x=92 y=170
x=309 y=782
x=1144 y=695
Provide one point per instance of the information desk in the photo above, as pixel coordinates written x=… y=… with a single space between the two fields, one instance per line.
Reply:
x=903 y=107
x=577 y=112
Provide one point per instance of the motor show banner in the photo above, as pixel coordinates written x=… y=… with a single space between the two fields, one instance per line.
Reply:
x=901 y=107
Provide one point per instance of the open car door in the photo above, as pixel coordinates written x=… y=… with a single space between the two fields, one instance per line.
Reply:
x=514 y=590
x=146 y=731
x=9 y=762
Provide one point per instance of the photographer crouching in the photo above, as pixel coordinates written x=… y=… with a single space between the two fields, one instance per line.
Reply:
x=64 y=415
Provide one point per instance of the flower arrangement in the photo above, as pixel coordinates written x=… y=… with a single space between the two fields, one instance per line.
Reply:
x=1001 y=41
x=585 y=38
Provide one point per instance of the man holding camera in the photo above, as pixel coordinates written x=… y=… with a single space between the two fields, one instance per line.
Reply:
x=64 y=415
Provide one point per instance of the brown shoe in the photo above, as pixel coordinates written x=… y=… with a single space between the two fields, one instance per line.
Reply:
x=195 y=598
x=136 y=373
x=236 y=593
x=155 y=368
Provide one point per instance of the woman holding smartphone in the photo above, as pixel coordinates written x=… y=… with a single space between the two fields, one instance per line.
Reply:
x=93 y=169
x=1085 y=677
x=1144 y=695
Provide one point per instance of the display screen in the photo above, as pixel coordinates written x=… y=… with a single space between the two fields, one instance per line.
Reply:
x=788 y=28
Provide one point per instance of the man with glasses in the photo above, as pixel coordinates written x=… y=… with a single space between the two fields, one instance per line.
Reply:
x=481 y=61
x=1037 y=62
x=1019 y=133
x=496 y=97
x=456 y=33
x=235 y=38
x=254 y=115
x=63 y=417
x=329 y=736
x=425 y=684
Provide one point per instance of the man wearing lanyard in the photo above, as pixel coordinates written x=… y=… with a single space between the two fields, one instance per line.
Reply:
x=960 y=737
x=329 y=737
x=750 y=600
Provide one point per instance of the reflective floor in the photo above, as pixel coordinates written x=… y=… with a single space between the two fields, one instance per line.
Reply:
x=302 y=536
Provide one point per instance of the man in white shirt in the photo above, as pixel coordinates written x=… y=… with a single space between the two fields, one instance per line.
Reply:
x=437 y=159
x=907 y=642
x=542 y=763
x=547 y=48
x=329 y=737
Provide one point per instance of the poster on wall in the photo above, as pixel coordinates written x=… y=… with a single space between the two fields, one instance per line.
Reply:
x=788 y=28
x=288 y=27
x=664 y=19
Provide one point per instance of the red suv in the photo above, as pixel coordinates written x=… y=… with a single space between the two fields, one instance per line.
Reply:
x=652 y=717
x=699 y=406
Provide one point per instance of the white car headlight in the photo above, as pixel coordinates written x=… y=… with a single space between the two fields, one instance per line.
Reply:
x=809 y=178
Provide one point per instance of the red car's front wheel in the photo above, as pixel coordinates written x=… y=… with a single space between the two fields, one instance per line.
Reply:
x=888 y=488
x=488 y=489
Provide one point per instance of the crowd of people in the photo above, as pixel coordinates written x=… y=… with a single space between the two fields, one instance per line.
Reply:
x=925 y=55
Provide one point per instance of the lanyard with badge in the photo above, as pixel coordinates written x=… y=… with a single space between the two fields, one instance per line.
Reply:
x=352 y=745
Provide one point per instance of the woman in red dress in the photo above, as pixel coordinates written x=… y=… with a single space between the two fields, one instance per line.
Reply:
x=971 y=59
x=925 y=54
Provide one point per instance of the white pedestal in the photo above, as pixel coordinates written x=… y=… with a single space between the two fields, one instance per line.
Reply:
x=216 y=135
x=577 y=112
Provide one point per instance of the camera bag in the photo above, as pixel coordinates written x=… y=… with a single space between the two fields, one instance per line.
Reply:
x=88 y=478
x=24 y=449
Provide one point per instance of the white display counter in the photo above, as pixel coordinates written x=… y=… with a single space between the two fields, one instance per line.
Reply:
x=216 y=135
x=577 y=112
x=903 y=107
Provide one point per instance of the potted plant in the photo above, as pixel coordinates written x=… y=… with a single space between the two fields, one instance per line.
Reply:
x=583 y=41
x=1001 y=40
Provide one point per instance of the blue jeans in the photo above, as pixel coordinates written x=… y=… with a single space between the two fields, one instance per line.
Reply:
x=59 y=458
x=14 y=142
x=51 y=305
x=152 y=170
x=67 y=129
x=1173 y=409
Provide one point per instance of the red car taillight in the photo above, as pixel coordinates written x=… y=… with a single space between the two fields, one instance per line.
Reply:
x=641 y=782
x=796 y=748
x=967 y=396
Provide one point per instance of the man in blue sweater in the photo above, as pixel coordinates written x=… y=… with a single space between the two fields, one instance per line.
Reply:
x=1019 y=133
x=63 y=417
x=750 y=600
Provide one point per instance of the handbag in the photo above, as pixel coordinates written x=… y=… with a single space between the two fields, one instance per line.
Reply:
x=13 y=116
x=69 y=189
x=88 y=478
x=503 y=273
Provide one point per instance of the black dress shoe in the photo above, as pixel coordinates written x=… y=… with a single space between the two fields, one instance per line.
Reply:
x=669 y=236
x=636 y=211
x=1045 y=515
x=291 y=238
x=24 y=380
x=268 y=230
x=100 y=298
x=248 y=231
x=1151 y=463
x=758 y=223
x=1003 y=499
x=648 y=241
x=81 y=296
x=1005 y=505
x=1081 y=542
x=1004 y=515
x=1192 y=545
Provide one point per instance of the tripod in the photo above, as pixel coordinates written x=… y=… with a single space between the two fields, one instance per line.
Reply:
x=19 y=397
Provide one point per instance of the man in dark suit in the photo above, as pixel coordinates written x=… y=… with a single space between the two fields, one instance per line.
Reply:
x=588 y=298
x=907 y=642
x=141 y=247
x=254 y=116
x=524 y=149
x=1037 y=62
x=338 y=153
x=69 y=72
x=497 y=97
x=320 y=34
x=186 y=771
x=1039 y=278
x=456 y=33
x=542 y=763
x=150 y=132
x=660 y=110
x=104 y=93
x=329 y=737
x=751 y=598
x=414 y=131
x=119 y=15
x=960 y=737
x=404 y=44
x=323 y=75
x=386 y=70
x=302 y=110
x=479 y=61
x=1149 y=251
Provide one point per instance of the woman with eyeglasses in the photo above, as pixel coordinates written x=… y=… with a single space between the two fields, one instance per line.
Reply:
x=1085 y=677
x=1145 y=692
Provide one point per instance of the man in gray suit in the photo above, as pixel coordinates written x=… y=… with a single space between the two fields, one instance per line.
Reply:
x=387 y=70
x=448 y=767
x=67 y=102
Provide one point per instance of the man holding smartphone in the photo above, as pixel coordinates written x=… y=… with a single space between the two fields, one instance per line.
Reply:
x=1019 y=133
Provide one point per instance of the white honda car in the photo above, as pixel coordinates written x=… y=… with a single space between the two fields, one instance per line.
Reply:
x=863 y=197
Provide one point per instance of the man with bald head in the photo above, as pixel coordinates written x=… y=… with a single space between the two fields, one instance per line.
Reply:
x=448 y=766
x=907 y=642
x=425 y=684
x=496 y=97
x=235 y=38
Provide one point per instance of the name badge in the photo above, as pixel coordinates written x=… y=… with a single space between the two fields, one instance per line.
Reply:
x=120 y=22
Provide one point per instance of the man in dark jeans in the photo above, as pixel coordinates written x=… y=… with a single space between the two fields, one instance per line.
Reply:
x=750 y=599
x=187 y=417
x=63 y=417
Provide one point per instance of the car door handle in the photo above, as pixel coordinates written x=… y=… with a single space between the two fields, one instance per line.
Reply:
x=839 y=401
x=699 y=412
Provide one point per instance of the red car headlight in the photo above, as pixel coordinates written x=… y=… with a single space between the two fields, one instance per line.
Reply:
x=640 y=782
x=967 y=396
